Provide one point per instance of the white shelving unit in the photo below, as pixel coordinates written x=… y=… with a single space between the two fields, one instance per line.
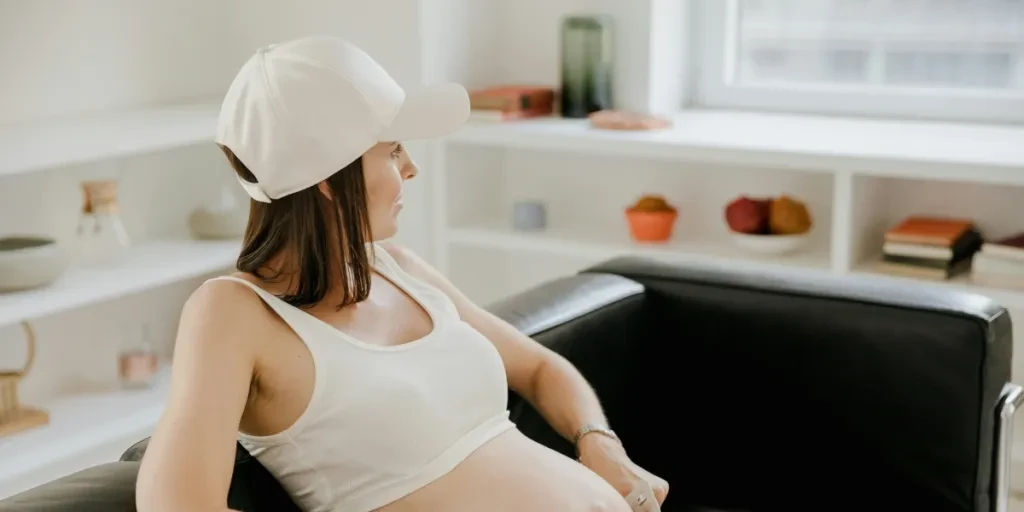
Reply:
x=599 y=245
x=852 y=161
x=144 y=267
x=132 y=100
x=90 y=428
x=28 y=147
x=859 y=177
x=85 y=429
x=868 y=147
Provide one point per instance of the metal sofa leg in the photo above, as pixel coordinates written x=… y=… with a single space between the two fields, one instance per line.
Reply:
x=1011 y=399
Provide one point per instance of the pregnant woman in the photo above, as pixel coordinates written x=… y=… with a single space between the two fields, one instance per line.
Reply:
x=357 y=374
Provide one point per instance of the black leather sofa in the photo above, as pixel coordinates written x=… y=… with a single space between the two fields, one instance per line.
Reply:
x=748 y=392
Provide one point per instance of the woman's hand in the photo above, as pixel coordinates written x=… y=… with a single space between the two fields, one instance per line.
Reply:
x=606 y=457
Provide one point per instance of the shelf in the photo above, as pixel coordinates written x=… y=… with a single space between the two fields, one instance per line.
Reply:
x=78 y=424
x=601 y=245
x=934 y=151
x=38 y=145
x=146 y=266
x=1008 y=298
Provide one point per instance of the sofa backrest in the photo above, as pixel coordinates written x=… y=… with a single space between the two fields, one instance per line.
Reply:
x=790 y=391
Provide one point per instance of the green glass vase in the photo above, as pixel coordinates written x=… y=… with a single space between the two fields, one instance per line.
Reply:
x=586 y=59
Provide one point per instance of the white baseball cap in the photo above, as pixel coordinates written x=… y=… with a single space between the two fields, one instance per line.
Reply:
x=300 y=111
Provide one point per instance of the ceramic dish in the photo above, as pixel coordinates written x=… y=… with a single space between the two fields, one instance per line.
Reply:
x=218 y=225
x=769 y=244
x=30 y=262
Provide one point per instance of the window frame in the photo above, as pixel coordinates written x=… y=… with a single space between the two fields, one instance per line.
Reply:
x=714 y=35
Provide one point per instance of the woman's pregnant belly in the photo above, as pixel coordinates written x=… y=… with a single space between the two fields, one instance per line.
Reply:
x=512 y=473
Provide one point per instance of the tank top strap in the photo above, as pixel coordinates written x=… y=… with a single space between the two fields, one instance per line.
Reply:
x=427 y=295
x=386 y=264
x=297 y=319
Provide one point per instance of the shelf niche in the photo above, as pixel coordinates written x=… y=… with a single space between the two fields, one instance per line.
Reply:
x=586 y=197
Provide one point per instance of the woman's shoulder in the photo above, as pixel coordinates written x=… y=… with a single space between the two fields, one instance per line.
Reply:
x=226 y=302
x=227 y=292
x=221 y=323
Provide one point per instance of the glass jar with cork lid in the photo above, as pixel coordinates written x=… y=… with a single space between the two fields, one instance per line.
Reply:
x=138 y=360
x=102 y=238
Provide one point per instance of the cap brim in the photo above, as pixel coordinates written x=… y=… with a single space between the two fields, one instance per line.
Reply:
x=432 y=111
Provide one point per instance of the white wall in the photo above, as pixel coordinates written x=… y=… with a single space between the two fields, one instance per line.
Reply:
x=62 y=57
x=529 y=40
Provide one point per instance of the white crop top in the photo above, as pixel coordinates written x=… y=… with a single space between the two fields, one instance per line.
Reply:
x=384 y=421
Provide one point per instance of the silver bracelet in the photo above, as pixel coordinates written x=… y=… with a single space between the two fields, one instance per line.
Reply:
x=591 y=428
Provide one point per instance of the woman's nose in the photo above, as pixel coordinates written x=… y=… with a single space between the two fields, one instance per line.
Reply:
x=410 y=170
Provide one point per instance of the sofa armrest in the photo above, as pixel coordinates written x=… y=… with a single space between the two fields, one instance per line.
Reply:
x=108 y=487
x=563 y=300
x=594 y=321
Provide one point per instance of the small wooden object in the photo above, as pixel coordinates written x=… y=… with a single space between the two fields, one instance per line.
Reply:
x=626 y=120
x=13 y=417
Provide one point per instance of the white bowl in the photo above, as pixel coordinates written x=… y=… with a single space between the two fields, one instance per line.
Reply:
x=28 y=261
x=769 y=244
x=218 y=225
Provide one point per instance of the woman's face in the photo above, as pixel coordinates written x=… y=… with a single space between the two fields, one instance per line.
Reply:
x=386 y=166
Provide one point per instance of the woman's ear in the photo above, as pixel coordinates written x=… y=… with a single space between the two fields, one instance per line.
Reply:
x=324 y=189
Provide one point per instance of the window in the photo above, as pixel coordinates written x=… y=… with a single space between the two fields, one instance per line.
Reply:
x=939 y=59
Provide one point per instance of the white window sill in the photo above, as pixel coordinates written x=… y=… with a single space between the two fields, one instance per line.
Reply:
x=929 y=150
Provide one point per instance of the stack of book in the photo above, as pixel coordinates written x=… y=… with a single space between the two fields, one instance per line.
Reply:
x=505 y=103
x=930 y=248
x=1000 y=263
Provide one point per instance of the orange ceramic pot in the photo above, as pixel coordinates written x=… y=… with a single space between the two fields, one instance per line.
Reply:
x=651 y=226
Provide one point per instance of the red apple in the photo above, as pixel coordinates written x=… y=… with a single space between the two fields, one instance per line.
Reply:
x=748 y=215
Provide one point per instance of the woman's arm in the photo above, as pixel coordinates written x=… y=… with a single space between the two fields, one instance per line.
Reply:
x=540 y=375
x=188 y=463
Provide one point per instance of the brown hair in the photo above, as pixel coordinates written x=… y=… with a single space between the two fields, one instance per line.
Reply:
x=314 y=234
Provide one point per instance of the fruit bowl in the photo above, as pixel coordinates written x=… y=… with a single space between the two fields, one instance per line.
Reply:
x=775 y=225
x=774 y=245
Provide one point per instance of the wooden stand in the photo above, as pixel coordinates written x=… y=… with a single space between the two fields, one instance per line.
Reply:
x=23 y=419
x=13 y=417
